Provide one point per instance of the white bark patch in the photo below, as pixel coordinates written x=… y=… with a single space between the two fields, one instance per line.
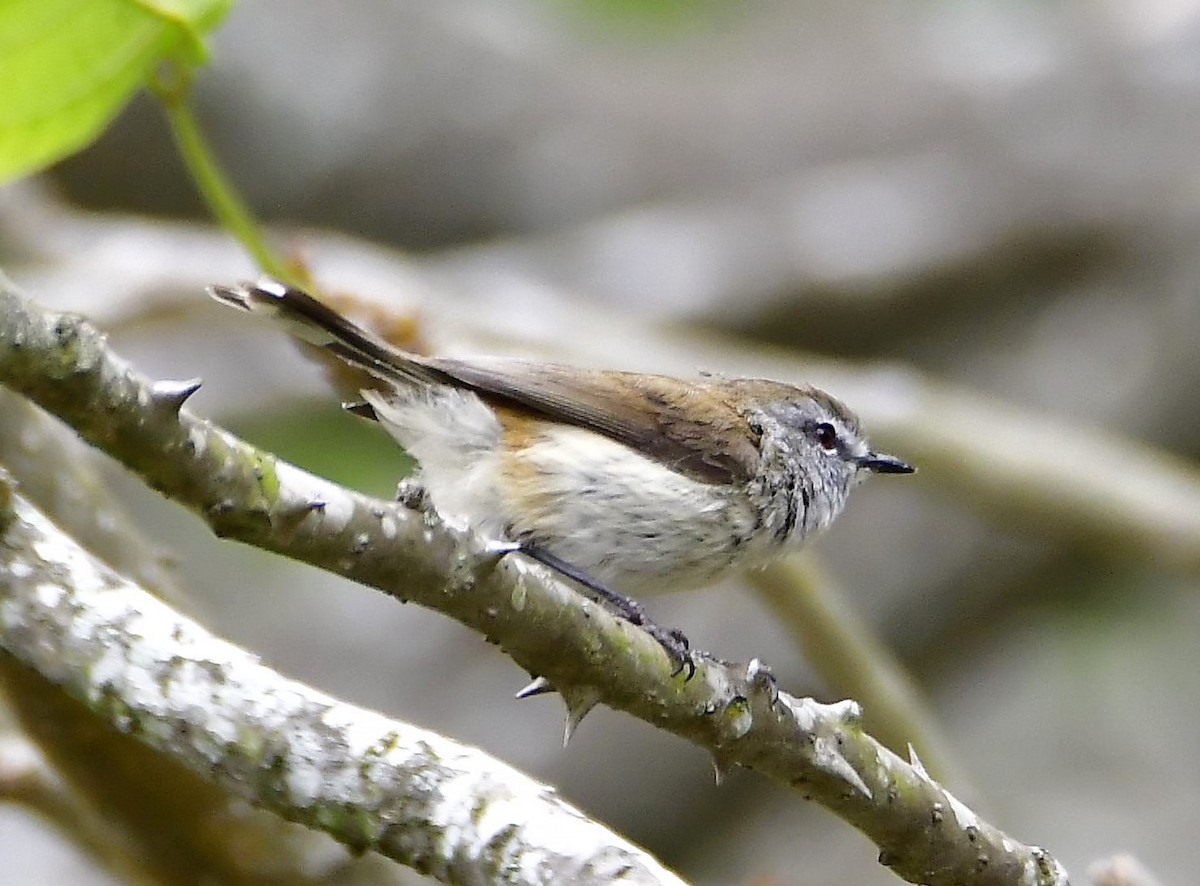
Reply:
x=277 y=742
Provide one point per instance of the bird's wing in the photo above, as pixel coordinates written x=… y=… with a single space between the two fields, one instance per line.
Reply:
x=691 y=427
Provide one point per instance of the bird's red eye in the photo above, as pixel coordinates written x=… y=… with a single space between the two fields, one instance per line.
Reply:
x=827 y=435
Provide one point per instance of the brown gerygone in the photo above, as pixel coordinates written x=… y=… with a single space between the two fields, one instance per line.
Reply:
x=620 y=480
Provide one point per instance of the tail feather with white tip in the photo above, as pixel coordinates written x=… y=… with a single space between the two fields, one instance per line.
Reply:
x=307 y=319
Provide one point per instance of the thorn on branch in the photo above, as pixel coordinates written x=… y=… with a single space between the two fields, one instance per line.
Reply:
x=169 y=396
x=722 y=766
x=288 y=518
x=539 y=686
x=916 y=763
x=304 y=508
x=579 y=701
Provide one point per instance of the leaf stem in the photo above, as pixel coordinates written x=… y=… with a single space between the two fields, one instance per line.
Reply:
x=172 y=85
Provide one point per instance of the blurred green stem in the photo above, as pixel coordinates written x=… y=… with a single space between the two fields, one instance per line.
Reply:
x=173 y=87
x=810 y=606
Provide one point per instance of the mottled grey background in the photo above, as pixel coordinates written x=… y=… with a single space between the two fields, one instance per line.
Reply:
x=1006 y=195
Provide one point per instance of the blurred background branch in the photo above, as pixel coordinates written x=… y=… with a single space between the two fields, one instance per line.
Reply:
x=804 y=600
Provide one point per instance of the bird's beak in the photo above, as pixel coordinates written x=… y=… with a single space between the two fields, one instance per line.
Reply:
x=884 y=464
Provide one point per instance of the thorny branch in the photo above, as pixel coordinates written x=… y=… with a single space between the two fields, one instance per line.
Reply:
x=372 y=783
x=139 y=813
x=924 y=834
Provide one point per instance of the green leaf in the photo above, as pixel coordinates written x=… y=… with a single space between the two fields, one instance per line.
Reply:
x=67 y=67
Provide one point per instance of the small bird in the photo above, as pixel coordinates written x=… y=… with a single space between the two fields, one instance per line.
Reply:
x=625 y=482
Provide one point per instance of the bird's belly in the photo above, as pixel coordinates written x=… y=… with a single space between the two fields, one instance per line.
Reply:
x=622 y=518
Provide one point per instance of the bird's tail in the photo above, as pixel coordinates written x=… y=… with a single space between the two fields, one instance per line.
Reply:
x=307 y=319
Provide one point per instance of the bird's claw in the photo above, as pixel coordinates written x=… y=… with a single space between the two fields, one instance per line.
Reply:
x=676 y=645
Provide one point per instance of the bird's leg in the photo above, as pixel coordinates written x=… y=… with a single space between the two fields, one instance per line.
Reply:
x=672 y=640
